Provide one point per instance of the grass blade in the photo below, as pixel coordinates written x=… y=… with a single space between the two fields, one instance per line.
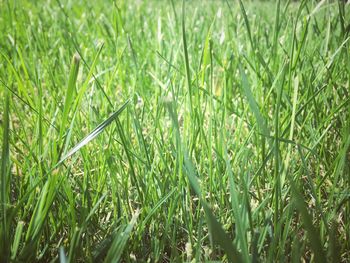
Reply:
x=5 y=159
x=94 y=133
x=70 y=90
x=218 y=235
x=241 y=229
x=17 y=239
x=312 y=233
x=187 y=63
x=63 y=258
x=246 y=21
x=253 y=104
x=120 y=240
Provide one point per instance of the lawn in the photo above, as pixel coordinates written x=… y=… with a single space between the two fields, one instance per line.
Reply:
x=174 y=131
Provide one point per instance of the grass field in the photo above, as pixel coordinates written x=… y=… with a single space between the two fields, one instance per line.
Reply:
x=164 y=131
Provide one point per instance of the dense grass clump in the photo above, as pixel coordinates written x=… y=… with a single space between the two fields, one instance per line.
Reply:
x=169 y=131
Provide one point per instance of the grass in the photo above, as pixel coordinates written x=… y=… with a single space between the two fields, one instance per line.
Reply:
x=170 y=131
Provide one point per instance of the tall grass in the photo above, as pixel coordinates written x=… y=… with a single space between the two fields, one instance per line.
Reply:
x=171 y=131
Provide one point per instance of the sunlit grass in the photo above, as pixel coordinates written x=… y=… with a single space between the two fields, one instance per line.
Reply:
x=170 y=131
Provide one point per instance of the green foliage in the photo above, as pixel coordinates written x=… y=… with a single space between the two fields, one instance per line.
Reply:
x=174 y=131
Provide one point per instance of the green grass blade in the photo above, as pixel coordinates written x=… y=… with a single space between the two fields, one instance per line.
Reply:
x=218 y=235
x=158 y=204
x=253 y=104
x=5 y=159
x=78 y=231
x=241 y=229
x=120 y=240
x=70 y=91
x=187 y=63
x=312 y=233
x=17 y=239
x=246 y=21
x=93 y=134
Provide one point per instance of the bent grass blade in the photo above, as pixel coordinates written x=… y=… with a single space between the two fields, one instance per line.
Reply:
x=93 y=134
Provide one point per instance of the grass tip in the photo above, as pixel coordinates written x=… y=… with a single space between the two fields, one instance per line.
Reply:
x=76 y=58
